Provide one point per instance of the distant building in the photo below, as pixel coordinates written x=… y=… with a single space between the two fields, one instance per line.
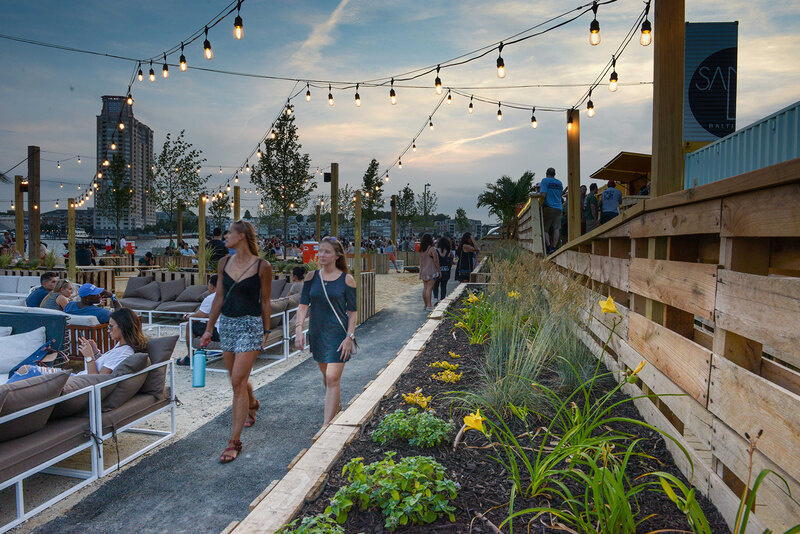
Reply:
x=83 y=218
x=448 y=227
x=135 y=143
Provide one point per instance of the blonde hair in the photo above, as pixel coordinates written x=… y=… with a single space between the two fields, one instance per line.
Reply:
x=249 y=231
x=338 y=248
x=61 y=284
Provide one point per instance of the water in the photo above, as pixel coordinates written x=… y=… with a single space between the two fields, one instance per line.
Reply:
x=143 y=245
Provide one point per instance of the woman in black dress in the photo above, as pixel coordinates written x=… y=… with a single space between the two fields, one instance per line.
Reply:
x=465 y=255
x=333 y=318
x=445 y=252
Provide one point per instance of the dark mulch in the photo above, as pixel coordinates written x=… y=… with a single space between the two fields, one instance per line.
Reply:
x=484 y=485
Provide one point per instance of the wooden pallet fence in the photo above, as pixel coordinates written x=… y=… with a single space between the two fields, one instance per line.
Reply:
x=367 y=304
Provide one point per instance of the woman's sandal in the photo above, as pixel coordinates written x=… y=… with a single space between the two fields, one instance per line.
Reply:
x=233 y=445
x=251 y=419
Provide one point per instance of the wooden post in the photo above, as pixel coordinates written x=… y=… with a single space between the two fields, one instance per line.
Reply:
x=318 y=233
x=180 y=224
x=34 y=227
x=667 y=166
x=394 y=222
x=201 y=235
x=19 y=215
x=357 y=253
x=71 y=239
x=237 y=203
x=573 y=175
x=335 y=199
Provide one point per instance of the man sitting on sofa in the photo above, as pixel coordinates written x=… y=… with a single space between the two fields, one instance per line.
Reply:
x=48 y=281
x=198 y=327
x=90 y=296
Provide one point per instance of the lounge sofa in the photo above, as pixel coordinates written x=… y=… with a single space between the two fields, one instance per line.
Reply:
x=15 y=289
x=47 y=419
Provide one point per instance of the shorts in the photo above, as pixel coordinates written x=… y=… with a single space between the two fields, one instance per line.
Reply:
x=199 y=328
x=551 y=218
x=391 y=257
x=607 y=216
x=240 y=334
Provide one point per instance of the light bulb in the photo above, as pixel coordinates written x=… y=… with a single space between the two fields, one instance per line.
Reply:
x=358 y=97
x=534 y=122
x=470 y=108
x=228 y=187
x=430 y=123
x=152 y=73
x=183 y=60
x=386 y=178
x=106 y=163
x=288 y=110
x=647 y=33
x=79 y=159
x=594 y=33
x=258 y=152
x=449 y=99
x=58 y=164
x=129 y=100
x=501 y=68
x=612 y=82
x=590 y=108
x=56 y=203
x=330 y=96
x=165 y=68
x=272 y=134
x=99 y=175
x=61 y=186
x=236 y=178
x=261 y=205
x=121 y=125
x=392 y=96
x=247 y=168
x=207 y=46
x=413 y=147
x=140 y=75
x=399 y=164
x=438 y=82
x=237 y=27
x=569 y=123
x=220 y=170
x=499 y=113
x=113 y=145
x=308 y=93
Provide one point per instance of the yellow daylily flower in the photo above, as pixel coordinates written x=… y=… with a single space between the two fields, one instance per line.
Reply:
x=513 y=294
x=475 y=421
x=639 y=368
x=608 y=306
x=472 y=297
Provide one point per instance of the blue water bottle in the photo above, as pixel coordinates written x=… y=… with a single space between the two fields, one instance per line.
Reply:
x=199 y=368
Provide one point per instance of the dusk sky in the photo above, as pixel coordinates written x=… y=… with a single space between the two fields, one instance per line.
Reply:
x=50 y=98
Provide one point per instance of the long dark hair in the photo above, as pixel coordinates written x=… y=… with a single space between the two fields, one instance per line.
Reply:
x=341 y=261
x=249 y=231
x=465 y=239
x=444 y=244
x=426 y=242
x=131 y=327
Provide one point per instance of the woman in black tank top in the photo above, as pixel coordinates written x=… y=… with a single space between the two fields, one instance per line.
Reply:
x=241 y=311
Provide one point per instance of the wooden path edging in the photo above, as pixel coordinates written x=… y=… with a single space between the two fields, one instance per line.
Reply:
x=282 y=499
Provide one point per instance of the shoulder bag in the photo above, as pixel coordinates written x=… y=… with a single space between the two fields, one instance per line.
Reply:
x=335 y=313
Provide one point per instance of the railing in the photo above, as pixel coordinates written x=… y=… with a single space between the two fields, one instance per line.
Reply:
x=99 y=276
x=184 y=262
x=707 y=282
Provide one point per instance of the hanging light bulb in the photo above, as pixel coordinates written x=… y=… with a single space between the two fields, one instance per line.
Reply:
x=612 y=81
x=106 y=163
x=399 y=163
x=58 y=164
x=237 y=23
x=647 y=29
x=358 y=97
x=470 y=108
x=183 y=60
x=228 y=188
x=99 y=175
x=392 y=94
x=129 y=100
x=449 y=98
x=499 y=113
x=272 y=134
x=501 y=66
x=220 y=169
x=165 y=68
x=56 y=204
x=258 y=152
x=308 y=93
x=430 y=123
x=207 y=46
x=594 y=27
x=113 y=145
x=79 y=159
x=152 y=73
x=414 y=146
x=140 y=75
x=236 y=179
x=438 y=82
x=247 y=167
x=261 y=205
x=387 y=177
x=198 y=170
x=288 y=109
x=569 y=121
x=121 y=125
x=330 y=96
x=534 y=123
x=590 y=105
x=61 y=186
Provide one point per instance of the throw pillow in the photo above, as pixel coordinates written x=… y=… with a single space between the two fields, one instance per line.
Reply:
x=17 y=347
x=171 y=290
x=192 y=294
x=159 y=350
x=27 y=393
x=126 y=389
x=79 y=405
x=5 y=331
x=134 y=284
x=277 y=288
x=149 y=292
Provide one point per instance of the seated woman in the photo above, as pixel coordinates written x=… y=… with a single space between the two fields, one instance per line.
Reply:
x=125 y=328
x=60 y=296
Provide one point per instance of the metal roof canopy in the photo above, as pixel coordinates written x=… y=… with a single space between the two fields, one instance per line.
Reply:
x=624 y=167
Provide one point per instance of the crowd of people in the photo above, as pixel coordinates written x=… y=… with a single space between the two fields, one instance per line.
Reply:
x=436 y=262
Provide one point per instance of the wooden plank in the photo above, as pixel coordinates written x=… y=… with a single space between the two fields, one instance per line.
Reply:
x=610 y=271
x=263 y=494
x=231 y=526
x=770 y=212
x=623 y=230
x=781 y=375
x=687 y=286
x=763 y=308
x=749 y=403
x=628 y=214
x=700 y=218
x=296 y=459
x=685 y=362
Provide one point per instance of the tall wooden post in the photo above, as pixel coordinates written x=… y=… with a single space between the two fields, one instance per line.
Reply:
x=357 y=253
x=667 y=165
x=237 y=203
x=201 y=235
x=318 y=233
x=180 y=224
x=73 y=260
x=34 y=227
x=394 y=223
x=573 y=174
x=19 y=215
x=334 y=199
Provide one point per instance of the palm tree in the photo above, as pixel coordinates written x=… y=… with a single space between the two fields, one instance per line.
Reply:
x=504 y=197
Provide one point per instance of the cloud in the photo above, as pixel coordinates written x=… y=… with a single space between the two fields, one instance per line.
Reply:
x=310 y=53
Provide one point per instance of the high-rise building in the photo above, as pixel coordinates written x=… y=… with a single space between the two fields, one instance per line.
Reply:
x=135 y=143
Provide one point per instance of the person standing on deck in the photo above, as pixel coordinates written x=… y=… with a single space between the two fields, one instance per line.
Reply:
x=590 y=209
x=610 y=201
x=551 y=189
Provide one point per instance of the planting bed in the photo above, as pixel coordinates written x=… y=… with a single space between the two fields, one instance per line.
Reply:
x=484 y=487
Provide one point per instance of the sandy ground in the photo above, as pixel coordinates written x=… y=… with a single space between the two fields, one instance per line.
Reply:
x=198 y=405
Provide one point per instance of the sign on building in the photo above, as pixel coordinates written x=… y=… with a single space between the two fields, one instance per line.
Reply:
x=709 y=93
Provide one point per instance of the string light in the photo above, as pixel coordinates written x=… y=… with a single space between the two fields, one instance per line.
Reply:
x=228 y=187
x=105 y=164
x=220 y=169
x=392 y=94
x=330 y=96
x=99 y=175
x=438 y=81
x=247 y=168
x=501 y=66
x=414 y=146
x=261 y=205
x=471 y=108
x=207 y=47
x=308 y=93
x=140 y=75
x=499 y=113
x=79 y=159
x=590 y=105
x=358 y=98
x=113 y=145
x=449 y=98
x=152 y=72
x=569 y=121
x=56 y=204
x=613 y=79
x=387 y=177
x=58 y=164
x=288 y=108
x=430 y=123
x=399 y=164
x=272 y=134
x=236 y=179
x=647 y=29
x=61 y=186
x=121 y=125
x=534 y=123
x=165 y=69
x=183 y=60
x=237 y=23
x=594 y=27
x=129 y=100
x=258 y=152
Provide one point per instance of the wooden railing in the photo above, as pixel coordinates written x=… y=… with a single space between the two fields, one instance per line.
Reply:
x=707 y=281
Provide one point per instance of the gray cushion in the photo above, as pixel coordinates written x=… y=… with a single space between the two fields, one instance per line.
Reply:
x=281 y=305
x=80 y=404
x=135 y=283
x=150 y=291
x=277 y=288
x=126 y=389
x=171 y=290
x=292 y=288
x=175 y=306
x=24 y=394
x=136 y=303
x=192 y=294
x=159 y=350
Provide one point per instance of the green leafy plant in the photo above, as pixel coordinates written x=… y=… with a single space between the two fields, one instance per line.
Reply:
x=474 y=318
x=5 y=260
x=50 y=260
x=316 y=524
x=34 y=264
x=172 y=266
x=313 y=265
x=414 y=490
x=421 y=429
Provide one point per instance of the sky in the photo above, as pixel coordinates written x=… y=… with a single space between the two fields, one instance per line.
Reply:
x=50 y=98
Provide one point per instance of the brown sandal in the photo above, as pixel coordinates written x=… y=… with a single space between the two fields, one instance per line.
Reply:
x=251 y=419
x=233 y=445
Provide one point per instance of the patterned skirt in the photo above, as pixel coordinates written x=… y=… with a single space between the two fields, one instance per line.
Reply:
x=240 y=334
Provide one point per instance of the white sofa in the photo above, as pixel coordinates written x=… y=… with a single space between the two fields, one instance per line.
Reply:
x=76 y=320
x=15 y=289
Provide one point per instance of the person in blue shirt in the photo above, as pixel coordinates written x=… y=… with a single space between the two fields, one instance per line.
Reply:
x=551 y=189
x=48 y=281
x=90 y=296
x=610 y=201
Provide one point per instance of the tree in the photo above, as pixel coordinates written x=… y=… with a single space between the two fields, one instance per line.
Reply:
x=504 y=197
x=220 y=209
x=247 y=215
x=174 y=179
x=282 y=172
x=406 y=207
x=347 y=203
x=114 y=196
x=426 y=204
x=373 y=194
x=461 y=220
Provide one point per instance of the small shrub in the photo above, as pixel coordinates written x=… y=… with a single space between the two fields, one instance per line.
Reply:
x=421 y=429
x=417 y=398
x=454 y=355
x=447 y=376
x=316 y=524
x=34 y=264
x=447 y=366
x=50 y=260
x=313 y=265
x=172 y=267
x=5 y=260
x=414 y=490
